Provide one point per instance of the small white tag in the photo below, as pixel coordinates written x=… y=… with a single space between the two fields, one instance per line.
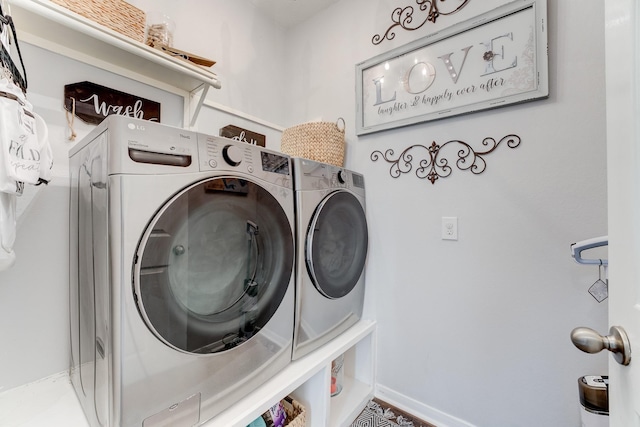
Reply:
x=599 y=290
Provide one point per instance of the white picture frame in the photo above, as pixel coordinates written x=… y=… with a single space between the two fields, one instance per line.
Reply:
x=493 y=60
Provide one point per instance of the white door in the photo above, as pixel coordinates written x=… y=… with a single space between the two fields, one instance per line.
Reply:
x=622 y=34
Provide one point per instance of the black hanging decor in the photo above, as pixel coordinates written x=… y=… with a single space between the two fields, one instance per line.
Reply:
x=6 y=62
x=433 y=165
x=403 y=17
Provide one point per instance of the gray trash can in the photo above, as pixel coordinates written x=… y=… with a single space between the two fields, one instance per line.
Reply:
x=594 y=400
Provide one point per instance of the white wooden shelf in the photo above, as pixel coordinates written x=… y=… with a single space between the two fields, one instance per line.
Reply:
x=55 y=28
x=308 y=380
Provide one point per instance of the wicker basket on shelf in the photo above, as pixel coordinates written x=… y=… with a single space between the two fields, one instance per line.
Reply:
x=319 y=141
x=117 y=15
x=296 y=415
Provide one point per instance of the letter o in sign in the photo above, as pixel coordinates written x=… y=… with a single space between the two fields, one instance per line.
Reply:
x=419 y=77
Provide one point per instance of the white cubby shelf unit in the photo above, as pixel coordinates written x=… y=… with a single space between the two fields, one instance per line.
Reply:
x=51 y=401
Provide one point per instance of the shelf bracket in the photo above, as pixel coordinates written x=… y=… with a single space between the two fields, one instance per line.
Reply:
x=196 y=99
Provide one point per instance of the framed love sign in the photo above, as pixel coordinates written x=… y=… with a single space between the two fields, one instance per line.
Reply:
x=493 y=60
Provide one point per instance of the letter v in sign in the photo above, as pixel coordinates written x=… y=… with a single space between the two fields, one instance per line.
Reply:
x=450 y=67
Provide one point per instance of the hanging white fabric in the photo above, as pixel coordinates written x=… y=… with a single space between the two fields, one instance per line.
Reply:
x=25 y=153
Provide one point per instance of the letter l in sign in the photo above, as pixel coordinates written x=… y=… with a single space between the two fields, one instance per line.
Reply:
x=378 y=82
x=450 y=68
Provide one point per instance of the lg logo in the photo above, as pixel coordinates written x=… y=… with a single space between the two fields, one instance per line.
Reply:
x=133 y=126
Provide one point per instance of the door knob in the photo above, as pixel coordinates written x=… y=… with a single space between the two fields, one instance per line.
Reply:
x=617 y=342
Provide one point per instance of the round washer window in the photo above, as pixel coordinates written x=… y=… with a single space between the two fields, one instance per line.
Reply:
x=214 y=265
x=336 y=245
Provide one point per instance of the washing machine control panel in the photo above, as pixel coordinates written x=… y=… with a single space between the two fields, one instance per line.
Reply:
x=232 y=155
x=218 y=153
x=272 y=162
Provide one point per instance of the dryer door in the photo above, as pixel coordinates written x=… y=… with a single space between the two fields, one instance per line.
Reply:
x=336 y=244
x=214 y=265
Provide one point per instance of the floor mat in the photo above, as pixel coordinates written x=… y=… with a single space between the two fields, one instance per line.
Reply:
x=375 y=415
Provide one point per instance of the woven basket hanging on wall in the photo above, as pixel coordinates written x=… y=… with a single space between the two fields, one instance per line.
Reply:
x=319 y=141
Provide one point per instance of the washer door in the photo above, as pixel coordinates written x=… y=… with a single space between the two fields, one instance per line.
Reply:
x=214 y=265
x=336 y=244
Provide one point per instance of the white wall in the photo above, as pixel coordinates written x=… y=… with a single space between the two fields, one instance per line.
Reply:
x=248 y=48
x=476 y=330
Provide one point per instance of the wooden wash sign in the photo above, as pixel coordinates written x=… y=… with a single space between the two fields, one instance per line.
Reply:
x=94 y=102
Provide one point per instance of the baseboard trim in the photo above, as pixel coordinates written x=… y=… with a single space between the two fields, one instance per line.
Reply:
x=419 y=410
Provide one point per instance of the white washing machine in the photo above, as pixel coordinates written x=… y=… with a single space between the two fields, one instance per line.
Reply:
x=332 y=242
x=182 y=260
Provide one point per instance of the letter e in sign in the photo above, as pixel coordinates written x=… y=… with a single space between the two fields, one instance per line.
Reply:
x=495 y=50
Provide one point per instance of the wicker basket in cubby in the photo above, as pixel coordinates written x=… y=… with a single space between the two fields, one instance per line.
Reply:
x=296 y=415
x=117 y=15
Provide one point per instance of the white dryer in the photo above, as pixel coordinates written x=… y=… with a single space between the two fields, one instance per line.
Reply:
x=182 y=259
x=332 y=242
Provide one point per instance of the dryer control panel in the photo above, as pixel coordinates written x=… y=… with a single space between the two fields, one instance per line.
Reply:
x=314 y=175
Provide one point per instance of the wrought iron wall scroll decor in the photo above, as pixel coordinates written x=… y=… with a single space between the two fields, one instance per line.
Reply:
x=434 y=165
x=403 y=17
